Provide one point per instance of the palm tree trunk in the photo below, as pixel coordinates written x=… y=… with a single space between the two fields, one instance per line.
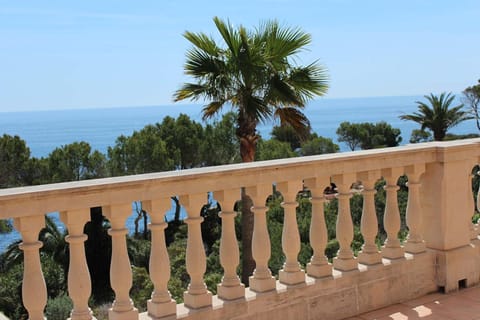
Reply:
x=247 y=152
x=248 y=264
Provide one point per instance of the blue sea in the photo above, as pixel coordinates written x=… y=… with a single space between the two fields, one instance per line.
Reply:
x=45 y=130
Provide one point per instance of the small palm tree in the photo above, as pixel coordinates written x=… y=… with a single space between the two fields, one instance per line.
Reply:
x=438 y=117
x=255 y=74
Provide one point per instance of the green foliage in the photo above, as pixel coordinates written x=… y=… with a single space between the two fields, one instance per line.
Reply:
x=183 y=138
x=318 y=145
x=179 y=277
x=273 y=149
x=380 y=135
x=11 y=292
x=350 y=133
x=472 y=99
x=5 y=226
x=59 y=308
x=437 y=116
x=220 y=144
x=368 y=135
x=145 y=151
x=74 y=162
x=139 y=252
x=451 y=136
x=142 y=287
x=418 y=136
x=287 y=133
x=14 y=155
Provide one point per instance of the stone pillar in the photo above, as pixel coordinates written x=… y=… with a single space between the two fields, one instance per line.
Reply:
x=34 y=290
x=262 y=279
x=391 y=219
x=446 y=195
x=231 y=288
x=344 y=261
x=161 y=303
x=291 y=273
x=415 y=243
x=369 y=224
x=79 y=283
x=318 y=266
x=197 y=295
x=120 y=269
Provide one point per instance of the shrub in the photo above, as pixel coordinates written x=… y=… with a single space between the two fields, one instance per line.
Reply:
x=59 y=308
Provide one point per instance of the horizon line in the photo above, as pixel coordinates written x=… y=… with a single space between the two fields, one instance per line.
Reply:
x=47 y=109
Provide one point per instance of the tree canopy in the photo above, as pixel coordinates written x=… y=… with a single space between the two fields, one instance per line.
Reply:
x=472 y=99
x=368 y=135
x=437 y=115
x=253 y=72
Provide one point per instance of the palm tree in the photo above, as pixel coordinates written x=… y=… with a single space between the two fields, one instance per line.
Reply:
x=438 y=118
x=255 y=74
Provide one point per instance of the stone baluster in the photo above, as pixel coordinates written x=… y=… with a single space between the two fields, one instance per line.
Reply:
x=318 y=266
x=415 y=243
x=391 y=219
x=231 y=288
x=79 y=284
x=344 y=261
x=369 y=224
x=120 y=269
x=291 y=273
x=161 y=303
x=197 y=295
x=34 y=290
x=262 y=279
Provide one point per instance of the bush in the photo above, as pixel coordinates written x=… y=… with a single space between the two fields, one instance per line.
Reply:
x=59 y=308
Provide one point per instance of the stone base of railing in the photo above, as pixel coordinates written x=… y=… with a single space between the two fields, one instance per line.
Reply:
x=262 y=284
x=126 y=315
x=198 y=300
x=319 y=270
x=342 y=295
x=459 y=267
x=162 y=310
x=291 y=278
x=230 y=293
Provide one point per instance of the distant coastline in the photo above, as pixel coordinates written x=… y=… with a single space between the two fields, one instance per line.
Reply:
x=45 y=130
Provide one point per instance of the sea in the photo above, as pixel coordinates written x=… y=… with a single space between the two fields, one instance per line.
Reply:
x=46 y=130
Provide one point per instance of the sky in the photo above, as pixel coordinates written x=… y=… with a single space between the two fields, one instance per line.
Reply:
x=113 y=53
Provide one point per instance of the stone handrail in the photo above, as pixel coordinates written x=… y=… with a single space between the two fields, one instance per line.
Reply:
x=439 y=175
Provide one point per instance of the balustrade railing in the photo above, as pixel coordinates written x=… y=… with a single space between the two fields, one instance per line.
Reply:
x=438 y=246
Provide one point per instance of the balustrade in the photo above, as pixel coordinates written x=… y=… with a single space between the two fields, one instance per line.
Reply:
x=433 y=193
x=120 y=269
x=291 y=273
x=369 y=224
x=391 y=220
x=344 y=261
x=197 y=295
x=230 y=288
x=161 y=303
x=79 y=286
x=34 y=290
x=318 y=266
x=415 y=243
x=262 y=279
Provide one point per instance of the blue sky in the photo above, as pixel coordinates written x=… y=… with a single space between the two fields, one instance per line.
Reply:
x=112 y=53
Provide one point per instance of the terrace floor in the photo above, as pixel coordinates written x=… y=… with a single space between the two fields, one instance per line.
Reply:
x=461 y=305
